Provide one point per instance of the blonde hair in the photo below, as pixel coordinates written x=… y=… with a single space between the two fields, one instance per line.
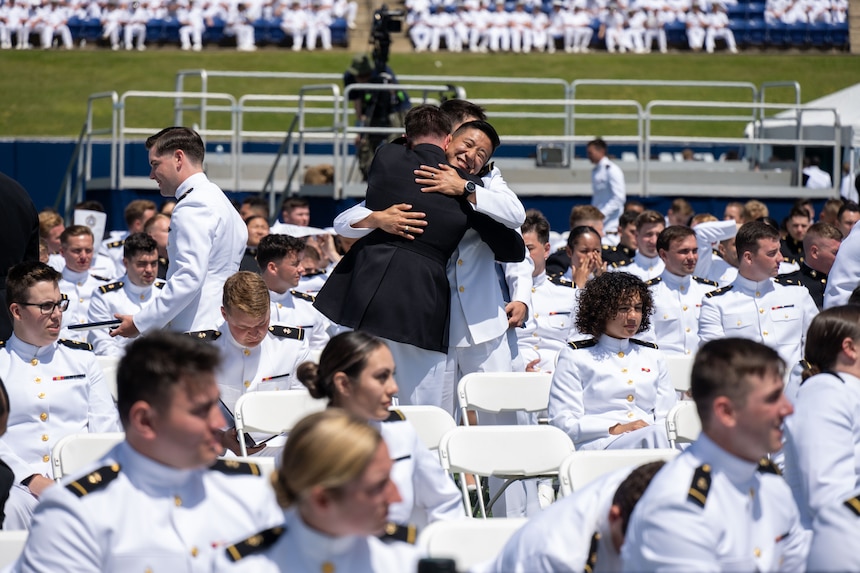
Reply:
x=754 y=210
x=246 y=291
x=328 y=449
x=47 y=221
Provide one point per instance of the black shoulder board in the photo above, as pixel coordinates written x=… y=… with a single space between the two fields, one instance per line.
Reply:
x=396 y=532
x=111 y=286
x=159 y=284
x=115 y=244
x=76 y=344
x=205 y=335
x=314 y=273
x=2 y=344
x=577 y=344
x=784 y=280
x=854 y=505
x=701 y=484
x=643 y=343
x=255 y=543
x=766 y=466
x=293 y=332
x=702 y=281
x=181 y=197
x=592 y=553
x=621 y=263
x=652 y=282
x=559 y=280
x=234 y=467
x=94 y=481
x=304 y=295
x=97 y=277
x=395 y=416
x=719 y=291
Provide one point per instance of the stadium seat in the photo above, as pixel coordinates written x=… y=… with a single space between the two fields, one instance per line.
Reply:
x=582 y=467
x=11 y=545
x=76 y=451
x=839 y=35
x=776 y=35
x=508 y=452
x=797 y=35
x=469 y=542
x=109 y=365
x=679 y=372
x=497 y=392
x=682 y=423
x=431 y=423
x=273 y=412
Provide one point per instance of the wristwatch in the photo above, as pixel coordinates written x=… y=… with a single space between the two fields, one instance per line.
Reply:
x=468 y=189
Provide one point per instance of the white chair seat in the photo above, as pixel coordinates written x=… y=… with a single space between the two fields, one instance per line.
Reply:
x=75 y=451
x=273 y=412
x=467 y=541
x=582 y=467
x=431 y=423
x=683 y=424
x=11 y=545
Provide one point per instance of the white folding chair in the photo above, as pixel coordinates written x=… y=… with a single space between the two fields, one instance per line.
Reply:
x=468 y=542
x=680 y=368
x=11 y=545
x=584 y=466
x=273 y=412
x=75 y=451
x=682 y=423
x=109 y=365
x=507 y=452
x=498 y=392
x=265 y=463
x=431 y=423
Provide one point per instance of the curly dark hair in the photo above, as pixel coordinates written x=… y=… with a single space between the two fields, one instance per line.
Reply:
x=599 y=301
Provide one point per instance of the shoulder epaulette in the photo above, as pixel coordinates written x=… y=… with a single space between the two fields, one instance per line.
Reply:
x=559 y=280
x=76 y=344
x=293 y=332
x=396 y=532
x=94 y=481
x=644 y=343
x=159 y=284
x=654 y=281
x=97 y=277
x=303 y=295
x=621 y=263
x=395 y=416
x=115 y=244
x=255 y=543
x=608 y=248
x=111 y=286
x=486 y=169
x=592 y=553
x=784 y=280
x=206 y=335
x=184 y=195
x=854 y=505
x=701 y=484
x=2 y=344
x=235 y=467
x=702 y=281
x=719 y=291
x=766 y=466
x=314 y=273
x=577 y=344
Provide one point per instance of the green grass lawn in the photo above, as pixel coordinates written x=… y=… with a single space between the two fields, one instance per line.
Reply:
x=45 y=93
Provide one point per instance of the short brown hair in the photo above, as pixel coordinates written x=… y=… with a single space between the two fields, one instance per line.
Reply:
x=24 y=275
x=582 y=214
x=673 y=233
x=172 y=139
x=751 y=233
x=649 y=217
x=136 y=209
x=246 y=291
x=75 y=231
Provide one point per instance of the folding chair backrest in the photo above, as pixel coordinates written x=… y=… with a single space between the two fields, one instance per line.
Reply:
x=680 y=368
x=504 y=391
x=682 y=423
x=468 y=542
x=431 y=423
x=11 y=545
x=75 y=451
x=273 y=412
x=581 y=467
x=109 y=365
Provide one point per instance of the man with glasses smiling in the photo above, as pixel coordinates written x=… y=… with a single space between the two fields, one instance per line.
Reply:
x=55 y=386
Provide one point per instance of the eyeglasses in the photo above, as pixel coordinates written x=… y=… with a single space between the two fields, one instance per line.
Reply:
x=48 y=307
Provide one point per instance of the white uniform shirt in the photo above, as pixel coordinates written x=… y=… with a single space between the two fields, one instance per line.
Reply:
x=608 y=192
x=205 y=245
x=79 y=288
x=311 y=284
x=113 y=247
x=834 y=539
x=768 y=312
x=844 y=276
x=128 y=512
x=561 y=537
x=121 y=297
x=646 y=268
x=708 y=510
x=300 y=549
x=551 y=323
x=677 y=302
x=295 y=308
x=822 y=444
x=54 y=391
x=720 y=271
x=609 y=381
x=428 y=493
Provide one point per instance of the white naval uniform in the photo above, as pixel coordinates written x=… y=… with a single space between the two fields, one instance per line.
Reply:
x=720 y=271
x=844 y=275
x=608 y=381
x=774 y=314
x=205 y=245
x=428 y=493
x=646 y=268
x=122 y=297
x=78 y=287
x=311 y=284
x=101 y=266
x=551 y=323
x=734 y=515
x=296 y=308
x=608 y=192
x=296 y=548
x=128 y=512
x=113 y=248
x=834 y=537
x=675 y=322
x=822 y=442
x=566 y=535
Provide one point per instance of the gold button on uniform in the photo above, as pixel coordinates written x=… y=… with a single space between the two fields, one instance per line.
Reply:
x=460 y=262
x=630 y=382
x=764 y=333
x=686 y=330
x=684 y=308
x=44 y=437
x=80 y=300
x=194 y=552
x=46 y=459
x=34 y=361
x=177 y=501
x=620 y=355
x=143 y=297
x=629 y=414
x=757 y=552
x=247 y=383
x=327 y=567
x=246 y=352
x=462 y=289
x=624 y=370
x=41 y=395
x=43 y=416
x=37 y=379
x=757 y=293
x=630 y=397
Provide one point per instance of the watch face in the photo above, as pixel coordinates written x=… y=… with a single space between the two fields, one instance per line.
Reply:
x=470 y=187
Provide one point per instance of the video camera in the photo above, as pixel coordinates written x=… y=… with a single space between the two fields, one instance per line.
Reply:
x=384 y=22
